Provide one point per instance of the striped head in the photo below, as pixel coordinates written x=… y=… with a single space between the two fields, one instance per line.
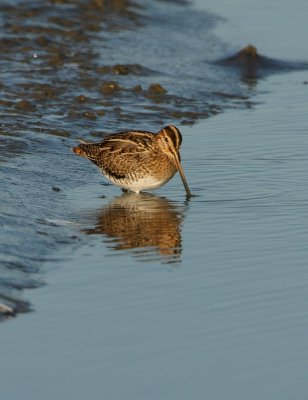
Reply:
x=169 y=140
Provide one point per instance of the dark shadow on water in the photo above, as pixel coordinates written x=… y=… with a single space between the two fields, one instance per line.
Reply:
x=148 y=225
x=252 y=66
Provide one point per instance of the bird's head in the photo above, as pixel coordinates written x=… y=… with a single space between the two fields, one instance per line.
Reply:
x=169 y=140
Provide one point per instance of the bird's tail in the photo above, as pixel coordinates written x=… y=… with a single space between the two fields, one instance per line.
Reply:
x=88 y=150
x=77 y=150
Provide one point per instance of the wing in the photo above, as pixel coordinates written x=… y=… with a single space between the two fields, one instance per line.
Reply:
x=119 y=153
x=127 y=153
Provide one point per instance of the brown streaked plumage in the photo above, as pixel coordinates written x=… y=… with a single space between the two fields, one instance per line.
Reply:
x=137 y=160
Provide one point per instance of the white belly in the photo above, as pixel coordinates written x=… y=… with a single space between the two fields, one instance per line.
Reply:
x=138 y=184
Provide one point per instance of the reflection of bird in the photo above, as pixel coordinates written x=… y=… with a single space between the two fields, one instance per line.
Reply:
x=145 y=222
x=137 y=160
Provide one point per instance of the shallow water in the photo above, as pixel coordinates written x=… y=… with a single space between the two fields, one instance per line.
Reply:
x=227 y=319
x=64 y=77
x=211 y=304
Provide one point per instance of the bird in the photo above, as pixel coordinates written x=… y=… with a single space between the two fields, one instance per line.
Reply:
x=137 y=160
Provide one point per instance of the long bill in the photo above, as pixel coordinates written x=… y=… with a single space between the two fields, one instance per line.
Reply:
x=180 y=169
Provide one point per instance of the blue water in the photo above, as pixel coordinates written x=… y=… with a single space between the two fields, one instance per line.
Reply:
x=277 y=29
x=227 y=318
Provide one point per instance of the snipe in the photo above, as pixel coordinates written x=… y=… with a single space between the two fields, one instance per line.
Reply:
x=137 y=160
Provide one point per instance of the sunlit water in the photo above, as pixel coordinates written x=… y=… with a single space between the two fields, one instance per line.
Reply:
x=212 y=304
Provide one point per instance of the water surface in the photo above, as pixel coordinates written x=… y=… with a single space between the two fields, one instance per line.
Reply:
x=70 y=73
x=212 y=304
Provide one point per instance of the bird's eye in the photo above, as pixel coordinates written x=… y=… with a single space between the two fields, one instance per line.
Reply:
x=166 y=139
